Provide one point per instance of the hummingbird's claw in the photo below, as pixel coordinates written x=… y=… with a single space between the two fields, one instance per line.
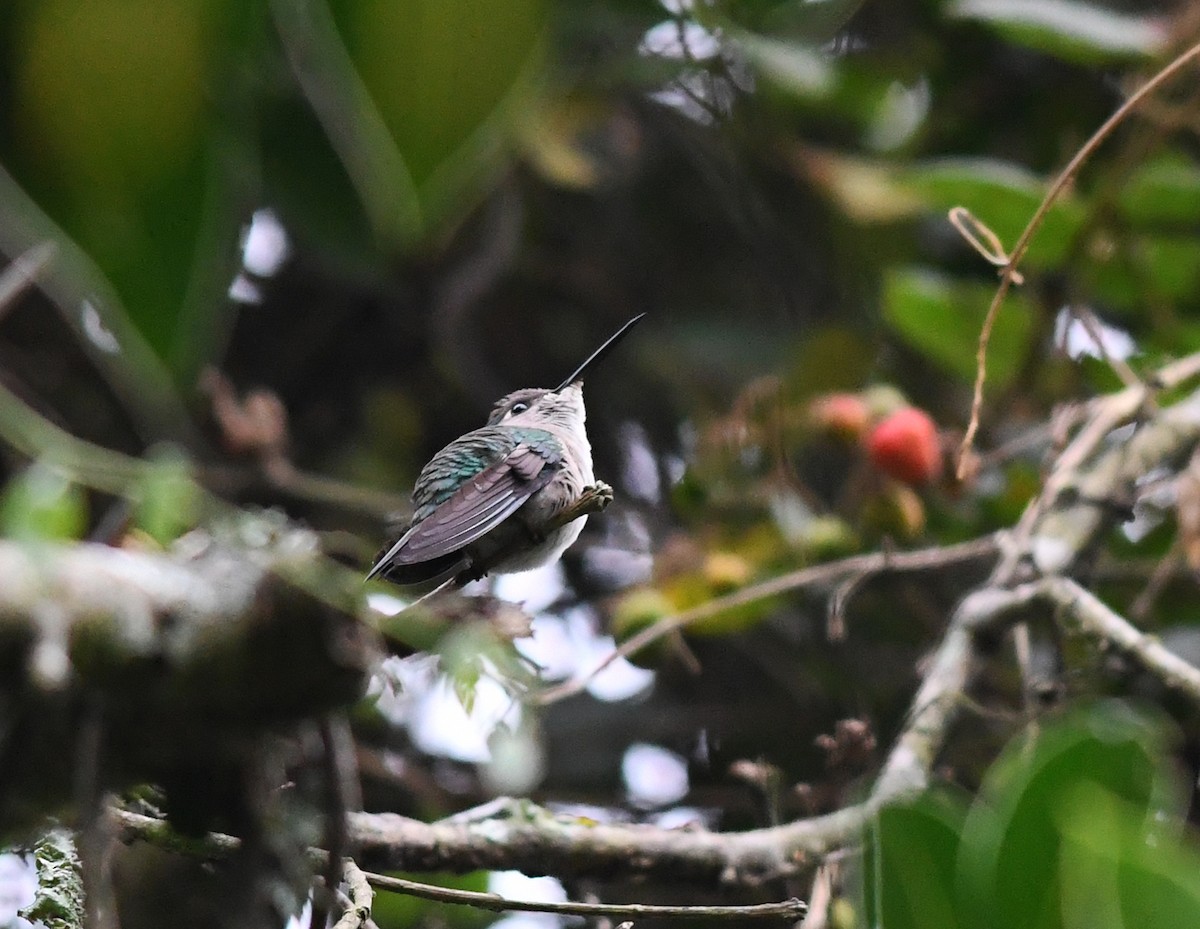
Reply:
x=592 y=499
x=601 y=494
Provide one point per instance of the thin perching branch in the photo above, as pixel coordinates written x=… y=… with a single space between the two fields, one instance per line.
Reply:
x=784 y=909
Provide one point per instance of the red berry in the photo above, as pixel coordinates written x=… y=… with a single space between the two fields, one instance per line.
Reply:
x=905 y=446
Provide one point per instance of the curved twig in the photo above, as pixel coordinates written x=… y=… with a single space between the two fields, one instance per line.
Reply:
x=1009 y=274
x=815 y=576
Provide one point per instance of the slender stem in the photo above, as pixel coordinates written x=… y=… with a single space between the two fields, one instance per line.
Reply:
x=816 y=575
x=785 y=909
x=1009 y=273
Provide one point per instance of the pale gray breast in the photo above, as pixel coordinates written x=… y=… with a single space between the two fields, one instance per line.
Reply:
x=576 y=472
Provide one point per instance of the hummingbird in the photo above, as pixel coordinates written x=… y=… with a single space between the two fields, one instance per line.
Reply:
x=500 y=499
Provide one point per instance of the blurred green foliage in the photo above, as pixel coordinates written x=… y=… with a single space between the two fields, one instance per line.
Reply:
x=146 y=135
x=398 y=911
x=467 y=188
x=1078 y=823
x=165 y=498
x=43 y=504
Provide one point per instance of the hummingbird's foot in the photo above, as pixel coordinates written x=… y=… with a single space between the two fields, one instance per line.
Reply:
x=592 y=499
x=472 y=572
x=601 y=494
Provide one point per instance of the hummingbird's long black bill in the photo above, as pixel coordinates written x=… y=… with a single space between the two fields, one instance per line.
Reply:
x=600 y=352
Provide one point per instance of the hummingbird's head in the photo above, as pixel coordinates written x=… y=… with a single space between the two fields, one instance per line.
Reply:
x=563 y=405
x=533 y=406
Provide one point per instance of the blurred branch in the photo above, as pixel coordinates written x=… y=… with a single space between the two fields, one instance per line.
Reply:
x=256 y=425
x=36 y=437
x=90 y=307
x=119 y=474
x=786 y=909
x=1082 y=611
x=519 y=834
x=1009 y=274
x=186 y=652
x=285 y=477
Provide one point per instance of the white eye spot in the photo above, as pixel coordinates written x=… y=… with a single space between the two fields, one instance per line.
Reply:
x=518 y=408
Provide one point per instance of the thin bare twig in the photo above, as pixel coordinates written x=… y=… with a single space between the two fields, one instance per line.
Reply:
x=1009 y=274
x=785 y=909
x=815 y=576
x=1167 y=569
x=980 y=237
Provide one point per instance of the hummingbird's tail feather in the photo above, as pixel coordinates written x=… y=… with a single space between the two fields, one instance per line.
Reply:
x=421 y=572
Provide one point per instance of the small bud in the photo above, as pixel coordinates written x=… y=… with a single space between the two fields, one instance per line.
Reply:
x=843 y=415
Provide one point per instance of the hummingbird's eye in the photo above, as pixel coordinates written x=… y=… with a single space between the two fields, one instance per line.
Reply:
x=518 y=408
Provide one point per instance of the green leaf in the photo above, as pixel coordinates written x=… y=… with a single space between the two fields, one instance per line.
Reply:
x=1011 y=845
x=866 y=190
x=941 y=317
x=1173 y=264
x=465 y=679
x=42 y=504
x=112 y=128
x=797 y=69
x=815 y=23
x=1119 y=869
x=436 y=94
x=1075 y=31
x=909 y=864
x=1167 y=266
x=1164 y=191
x=1001 y=195
x=462 y=652
x=401 y=911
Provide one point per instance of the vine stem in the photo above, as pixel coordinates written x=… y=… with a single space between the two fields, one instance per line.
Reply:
x=1009 y=273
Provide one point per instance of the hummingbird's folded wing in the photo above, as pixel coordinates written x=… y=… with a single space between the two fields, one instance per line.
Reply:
x=478 y=505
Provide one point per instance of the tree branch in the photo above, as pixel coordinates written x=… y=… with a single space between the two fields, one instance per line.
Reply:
x=186 y=653
x=1082 y=611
